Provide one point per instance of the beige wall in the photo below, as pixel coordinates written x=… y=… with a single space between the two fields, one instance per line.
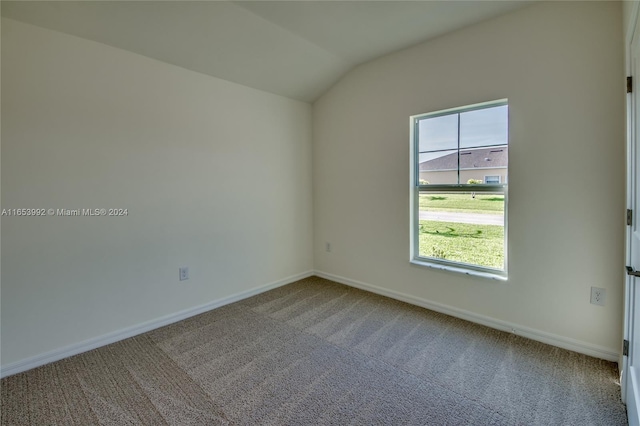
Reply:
x=560 y=65
x=86 y=125
x=215 y=176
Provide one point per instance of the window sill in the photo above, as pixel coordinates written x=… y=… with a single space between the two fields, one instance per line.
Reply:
x=460 y=270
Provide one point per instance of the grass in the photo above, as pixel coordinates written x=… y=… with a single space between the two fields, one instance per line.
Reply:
x=462 y=242
x=463 y=203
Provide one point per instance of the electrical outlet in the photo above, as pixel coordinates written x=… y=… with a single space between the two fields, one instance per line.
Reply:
x=598 y=296
x=327 y=247
x=184 y=273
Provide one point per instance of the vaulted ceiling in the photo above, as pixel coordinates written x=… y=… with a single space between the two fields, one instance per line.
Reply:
x=296 y=49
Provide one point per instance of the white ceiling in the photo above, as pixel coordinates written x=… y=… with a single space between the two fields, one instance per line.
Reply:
x=296 y=49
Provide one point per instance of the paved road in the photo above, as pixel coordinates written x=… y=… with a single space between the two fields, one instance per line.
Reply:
x=477 y=218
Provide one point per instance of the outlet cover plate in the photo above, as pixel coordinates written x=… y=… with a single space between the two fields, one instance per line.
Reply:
x=184 y=274
x=598 y=296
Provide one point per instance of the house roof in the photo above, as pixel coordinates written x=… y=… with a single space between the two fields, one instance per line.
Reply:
x=493 y=157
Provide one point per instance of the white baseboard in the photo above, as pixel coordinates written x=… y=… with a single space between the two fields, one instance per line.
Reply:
x=96 y=342
x=530 y=333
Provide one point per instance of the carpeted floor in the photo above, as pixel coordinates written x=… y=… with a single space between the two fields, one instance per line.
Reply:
x=317 y=352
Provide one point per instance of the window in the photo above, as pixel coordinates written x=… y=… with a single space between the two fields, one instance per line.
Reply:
x=459 y=170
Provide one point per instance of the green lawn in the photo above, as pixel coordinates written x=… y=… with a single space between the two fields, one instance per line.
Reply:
x=463 y=202
x=463 y=242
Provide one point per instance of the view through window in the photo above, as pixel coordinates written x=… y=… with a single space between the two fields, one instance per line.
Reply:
x=460 y=166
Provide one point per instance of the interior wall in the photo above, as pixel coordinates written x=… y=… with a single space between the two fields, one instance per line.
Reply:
x=560 y=65
x=215 y=177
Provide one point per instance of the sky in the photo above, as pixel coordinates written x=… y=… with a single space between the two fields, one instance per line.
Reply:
x=488 y=126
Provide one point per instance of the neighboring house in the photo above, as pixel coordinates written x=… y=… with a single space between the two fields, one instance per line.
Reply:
x=486 y=164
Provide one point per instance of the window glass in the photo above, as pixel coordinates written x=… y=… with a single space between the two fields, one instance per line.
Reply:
x=438 y=133
x=439 y=167
x=463 y=227
x=484 y=127
x=460 y=191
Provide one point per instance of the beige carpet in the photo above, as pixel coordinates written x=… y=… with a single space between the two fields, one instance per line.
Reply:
x=317 y=352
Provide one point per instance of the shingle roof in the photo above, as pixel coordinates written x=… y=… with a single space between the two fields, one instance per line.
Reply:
x=469 y=159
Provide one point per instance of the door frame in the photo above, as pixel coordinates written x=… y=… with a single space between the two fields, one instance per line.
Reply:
x=633 y=27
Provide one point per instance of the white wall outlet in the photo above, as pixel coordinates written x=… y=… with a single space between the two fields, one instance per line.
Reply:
x=327 y=247
x=598 y=296
x=184 y=273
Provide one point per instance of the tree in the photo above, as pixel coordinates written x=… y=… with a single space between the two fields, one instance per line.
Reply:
x=474 y=182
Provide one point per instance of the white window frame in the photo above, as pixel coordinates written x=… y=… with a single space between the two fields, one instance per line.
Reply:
x=416 y=188
x=488 y=176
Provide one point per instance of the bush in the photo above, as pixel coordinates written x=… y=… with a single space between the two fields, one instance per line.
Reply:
x=474 y=181
x=424 y=182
